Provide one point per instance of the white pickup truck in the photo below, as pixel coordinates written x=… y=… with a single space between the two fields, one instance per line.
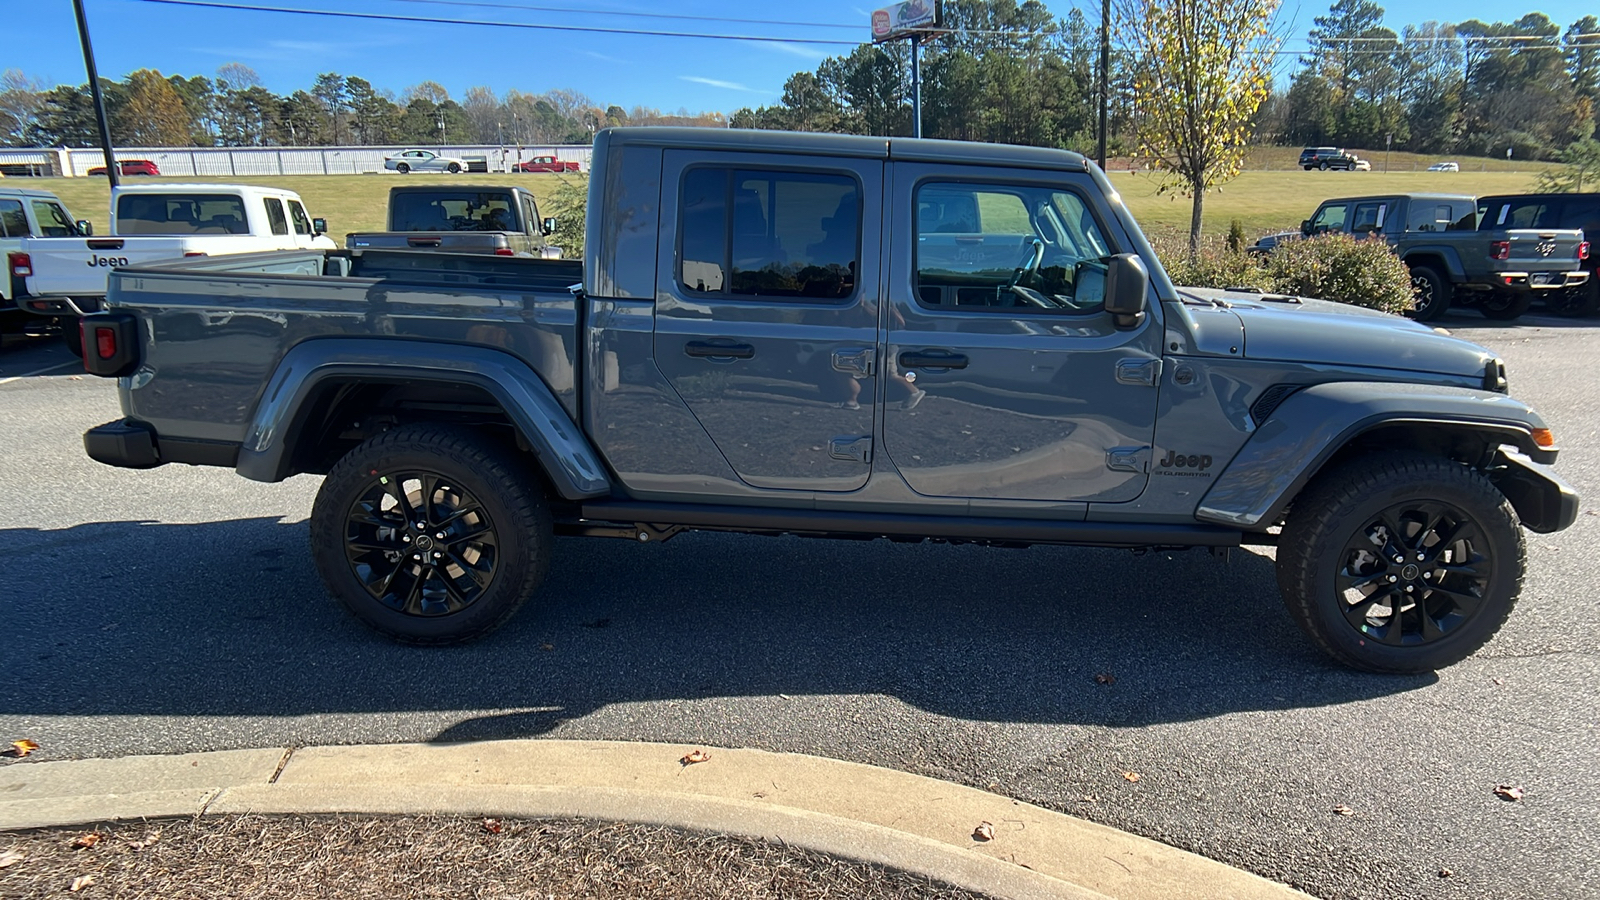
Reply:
x=61 y=275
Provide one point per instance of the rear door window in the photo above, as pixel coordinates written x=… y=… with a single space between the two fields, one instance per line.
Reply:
x=275 y=216
x=13 y=220
x=1368 y=218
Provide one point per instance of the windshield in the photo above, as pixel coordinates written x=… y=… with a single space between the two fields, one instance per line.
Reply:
x=446 y=210
x=181 y=214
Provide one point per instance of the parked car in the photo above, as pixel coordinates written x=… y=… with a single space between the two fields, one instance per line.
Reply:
x=1445 y=167
x=60 y=275
x=1554 y=211
x=424 y=161
x=501 y=221
x=26 y=214
x=547 y=164
x=1329 y=158
x=1270 y=242
x=130 y=167
x=1454 y=261
x=842 y=336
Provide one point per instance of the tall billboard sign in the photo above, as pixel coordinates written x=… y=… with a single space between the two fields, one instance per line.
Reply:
x=906 y=19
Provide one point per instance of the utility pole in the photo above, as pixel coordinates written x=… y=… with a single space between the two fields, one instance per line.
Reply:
x=1105 y=75
x=916 y=85
x=94 y=91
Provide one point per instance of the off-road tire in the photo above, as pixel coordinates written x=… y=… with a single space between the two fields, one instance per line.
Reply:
x=1577 y=302
x=518 y=521
x=1504 y=307
x=1334 y=515
x=1431 y=293
x=453 y=168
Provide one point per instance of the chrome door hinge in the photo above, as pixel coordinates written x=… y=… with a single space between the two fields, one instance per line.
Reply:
x=855 y=360
x=1139 y=371
x=852 y=447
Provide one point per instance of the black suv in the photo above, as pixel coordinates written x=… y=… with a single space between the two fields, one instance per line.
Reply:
x=1581 y=211
x=1327 y=158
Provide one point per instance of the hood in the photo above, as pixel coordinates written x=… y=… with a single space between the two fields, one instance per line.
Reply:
x=1300 y=329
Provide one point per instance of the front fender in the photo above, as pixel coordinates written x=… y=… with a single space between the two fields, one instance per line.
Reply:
x=573 y=466
x=1306 y=430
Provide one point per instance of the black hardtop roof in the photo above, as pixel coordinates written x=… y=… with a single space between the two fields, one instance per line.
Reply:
x=1549 y=195
x=848 y=145
x=1401 y=196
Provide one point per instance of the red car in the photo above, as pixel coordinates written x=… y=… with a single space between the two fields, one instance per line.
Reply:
x=130 y=167
x=547 y=164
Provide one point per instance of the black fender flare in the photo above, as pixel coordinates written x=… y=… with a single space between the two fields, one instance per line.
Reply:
x=566 y=456
x=1316 y=422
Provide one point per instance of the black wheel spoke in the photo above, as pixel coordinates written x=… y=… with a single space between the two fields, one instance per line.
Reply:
x=429 y=484
x=478 y=578
x=1357 y=613
x=457 y=515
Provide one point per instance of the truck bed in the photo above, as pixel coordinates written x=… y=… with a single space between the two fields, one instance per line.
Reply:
x=218 y=327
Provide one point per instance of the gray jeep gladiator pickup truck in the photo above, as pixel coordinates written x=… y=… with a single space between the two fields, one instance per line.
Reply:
x=1496 y=266
x=837 y=336
x=501 y=221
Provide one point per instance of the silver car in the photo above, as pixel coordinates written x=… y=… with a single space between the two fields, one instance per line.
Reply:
x=424 y=161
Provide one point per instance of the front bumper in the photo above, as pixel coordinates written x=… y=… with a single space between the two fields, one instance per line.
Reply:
x=1542 y=500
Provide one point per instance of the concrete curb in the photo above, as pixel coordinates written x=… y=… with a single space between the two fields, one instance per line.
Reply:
x=908 y=822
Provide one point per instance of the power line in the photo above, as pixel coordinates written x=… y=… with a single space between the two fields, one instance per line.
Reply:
x=639 y=15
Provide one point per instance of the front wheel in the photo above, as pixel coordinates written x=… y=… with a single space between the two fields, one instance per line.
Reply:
x=453 y=168
x=431 y=534
x=1401 y=562
x=1503 y=307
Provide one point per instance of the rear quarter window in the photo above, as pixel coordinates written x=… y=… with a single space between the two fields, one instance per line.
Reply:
x=181 y=214
x=13 y=221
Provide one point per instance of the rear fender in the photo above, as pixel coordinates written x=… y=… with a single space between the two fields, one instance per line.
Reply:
x=1431 y=255
x=568 y=460
x=1315 y=424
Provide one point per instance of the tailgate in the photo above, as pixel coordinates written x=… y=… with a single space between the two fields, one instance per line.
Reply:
x=77 y=267
x=1544 y=250
x=452 y=241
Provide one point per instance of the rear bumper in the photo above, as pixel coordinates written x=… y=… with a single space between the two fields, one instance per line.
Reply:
x=1542 y=500
x=131 y=444
x=1540 y=281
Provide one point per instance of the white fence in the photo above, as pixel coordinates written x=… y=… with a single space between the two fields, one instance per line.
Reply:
x=247 y=161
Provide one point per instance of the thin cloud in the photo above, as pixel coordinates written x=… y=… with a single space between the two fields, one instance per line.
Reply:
x=726 y=85
x=603 y=57
x=801 y=50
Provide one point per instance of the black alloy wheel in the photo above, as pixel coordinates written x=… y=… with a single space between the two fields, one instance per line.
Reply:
x=421 y=544
x=1503 y=306
x=1413 y=573
x=432 y=534
x=1401 y=562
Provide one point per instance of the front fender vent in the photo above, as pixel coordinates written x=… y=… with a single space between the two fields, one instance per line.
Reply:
x=1269 y=401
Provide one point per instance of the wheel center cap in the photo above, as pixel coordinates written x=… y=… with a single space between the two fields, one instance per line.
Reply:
x=425 y=543
x=1410 y=573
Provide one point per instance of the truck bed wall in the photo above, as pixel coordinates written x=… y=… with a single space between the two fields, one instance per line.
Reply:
x=216 y=329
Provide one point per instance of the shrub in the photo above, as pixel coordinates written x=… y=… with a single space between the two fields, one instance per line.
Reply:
x=1215 y=266
x=1338 y=267
x=1236 y=236
x=569 y=204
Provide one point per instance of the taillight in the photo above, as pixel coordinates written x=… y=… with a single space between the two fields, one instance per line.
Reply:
x=504 y=251
x=1583 y=250
x=1499 y=249
x=105 y=342
x=110 y=343
x=21 y=264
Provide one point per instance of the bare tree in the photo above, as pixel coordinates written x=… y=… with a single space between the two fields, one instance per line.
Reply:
x=20 y=97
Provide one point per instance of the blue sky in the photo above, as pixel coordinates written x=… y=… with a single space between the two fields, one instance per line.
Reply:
x=665 y=72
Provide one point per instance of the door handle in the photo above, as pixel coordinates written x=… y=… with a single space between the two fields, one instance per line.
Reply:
x=932 y=359
x=714 y=350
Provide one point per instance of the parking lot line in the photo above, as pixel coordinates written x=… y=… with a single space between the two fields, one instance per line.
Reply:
x=38 y=372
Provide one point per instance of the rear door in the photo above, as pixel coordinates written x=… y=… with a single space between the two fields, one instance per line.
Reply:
x=766 y=310
x=13 y=228
x=1004 y=377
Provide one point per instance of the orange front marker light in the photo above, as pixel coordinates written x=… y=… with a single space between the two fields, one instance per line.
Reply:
x=1544 y=438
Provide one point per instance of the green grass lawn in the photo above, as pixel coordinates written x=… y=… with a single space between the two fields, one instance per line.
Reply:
x=1262 y=200
x=349 y=202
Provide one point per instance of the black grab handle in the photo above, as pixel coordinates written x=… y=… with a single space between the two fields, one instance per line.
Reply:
x=932 y=359
x=715 y=350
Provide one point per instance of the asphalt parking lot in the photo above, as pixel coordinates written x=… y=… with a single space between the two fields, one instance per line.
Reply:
x=177 y=610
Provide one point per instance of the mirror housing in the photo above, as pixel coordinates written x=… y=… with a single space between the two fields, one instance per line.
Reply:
x=549 y=225
x=319 y=225
x=85 y=227
x=1305 y=227
x=1127 y=284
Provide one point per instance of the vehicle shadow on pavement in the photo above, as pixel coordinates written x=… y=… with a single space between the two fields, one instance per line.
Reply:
x=229 y=618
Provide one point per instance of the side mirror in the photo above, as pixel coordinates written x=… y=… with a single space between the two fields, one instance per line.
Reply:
x=1305 y=227
x=1127 y=284
x=319 y=225
x=549 y=225
x=85 y=227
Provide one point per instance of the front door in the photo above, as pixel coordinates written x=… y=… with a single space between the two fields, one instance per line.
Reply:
x=1005 y=378
x=767 y=310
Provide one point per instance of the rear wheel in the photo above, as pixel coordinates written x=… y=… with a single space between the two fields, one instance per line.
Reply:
x=1430 y=294
x=1504 y=307
x=431 y=534
x=1323 y=166
x=1578 y=301
x=402 y=168
x=453 y=168
x=1401 y=562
